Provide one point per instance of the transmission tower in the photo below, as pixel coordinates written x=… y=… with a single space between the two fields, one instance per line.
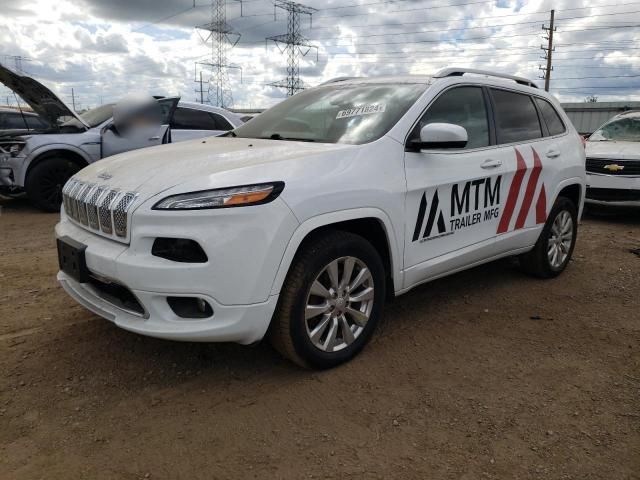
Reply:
x=222 y=38
x=293 y=43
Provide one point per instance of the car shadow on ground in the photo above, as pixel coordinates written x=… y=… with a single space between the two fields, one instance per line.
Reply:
x=616 y=215
x=105 y=347
x=19 y=204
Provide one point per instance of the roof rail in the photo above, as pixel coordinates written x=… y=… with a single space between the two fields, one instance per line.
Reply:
x=458 y=72
x=337 y=79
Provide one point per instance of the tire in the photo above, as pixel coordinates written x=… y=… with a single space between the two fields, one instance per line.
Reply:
x=45 y=181
x=335 y=310
x=540 y=261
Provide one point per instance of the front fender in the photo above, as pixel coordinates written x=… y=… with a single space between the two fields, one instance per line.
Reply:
x=38 y=152
x=327 y=219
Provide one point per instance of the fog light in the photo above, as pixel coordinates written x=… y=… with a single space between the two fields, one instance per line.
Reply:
x=190 y=307
x=202 y=305
x=179 y=250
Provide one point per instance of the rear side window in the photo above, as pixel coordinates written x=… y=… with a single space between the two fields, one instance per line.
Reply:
x=516 y=117
x=14 y=121
x=221 y=122
x=189 y=119
x=463 y=106
x=550 y=117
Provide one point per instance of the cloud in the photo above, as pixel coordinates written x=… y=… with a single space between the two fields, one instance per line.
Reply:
x=105 y=50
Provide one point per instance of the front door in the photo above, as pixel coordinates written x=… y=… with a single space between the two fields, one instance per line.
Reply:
x=114 y=141
x=453 y=195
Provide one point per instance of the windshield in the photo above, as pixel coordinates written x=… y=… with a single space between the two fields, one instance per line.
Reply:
x=351 y=114
x=624 y=130
x=93 y=117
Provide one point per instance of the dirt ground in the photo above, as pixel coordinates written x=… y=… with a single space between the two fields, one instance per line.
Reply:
x=485 y=374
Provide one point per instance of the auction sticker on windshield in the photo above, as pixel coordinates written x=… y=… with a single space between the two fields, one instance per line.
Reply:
x=362 y=110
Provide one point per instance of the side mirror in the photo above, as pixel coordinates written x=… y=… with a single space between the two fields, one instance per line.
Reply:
x=442 y=135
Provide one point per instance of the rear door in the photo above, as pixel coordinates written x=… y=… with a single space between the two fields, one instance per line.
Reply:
x=191 y=123
x=535 y=158
x=114 y=142
x=453 y=195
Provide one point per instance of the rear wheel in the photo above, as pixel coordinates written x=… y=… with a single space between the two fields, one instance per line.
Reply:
x=554 y=247
x=45 y=181
x=331 y=302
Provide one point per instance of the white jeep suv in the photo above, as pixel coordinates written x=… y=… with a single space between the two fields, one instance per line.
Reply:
x=300 y=223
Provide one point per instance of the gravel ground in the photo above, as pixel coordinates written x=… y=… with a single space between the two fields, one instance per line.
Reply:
x=485 y=374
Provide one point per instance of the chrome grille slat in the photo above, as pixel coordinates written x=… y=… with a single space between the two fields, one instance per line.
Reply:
x=82 y=206
x=104 y=212
x=98 y=208
x=120 y=214
x=92 y=208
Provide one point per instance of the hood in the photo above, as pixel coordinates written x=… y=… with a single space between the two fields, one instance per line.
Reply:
x=42 y=100
x=614 y=150
x=210 y=163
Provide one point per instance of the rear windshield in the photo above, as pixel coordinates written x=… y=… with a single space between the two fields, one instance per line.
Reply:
x=354 y=114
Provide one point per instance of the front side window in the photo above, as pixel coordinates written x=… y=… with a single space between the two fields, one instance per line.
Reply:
x=463 y=106
x=516 y=117
x=348 y=113
x=623 y=130
x=550 y=117
x=36 y=123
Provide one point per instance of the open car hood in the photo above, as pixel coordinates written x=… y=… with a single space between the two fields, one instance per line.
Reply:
x=42 y=100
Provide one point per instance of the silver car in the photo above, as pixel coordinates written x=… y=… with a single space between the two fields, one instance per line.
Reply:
x=40 y=162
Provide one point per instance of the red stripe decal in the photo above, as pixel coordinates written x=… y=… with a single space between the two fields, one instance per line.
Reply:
x=510 y=206
x=541 y=207
x=531 y=189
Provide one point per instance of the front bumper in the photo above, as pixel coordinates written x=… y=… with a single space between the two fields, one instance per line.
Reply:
x=243 y=324
x=10 y=170
x=244 y=247
x=614 y=190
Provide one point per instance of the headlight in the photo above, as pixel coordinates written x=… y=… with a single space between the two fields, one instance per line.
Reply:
x=13 y=147
x=222 y=197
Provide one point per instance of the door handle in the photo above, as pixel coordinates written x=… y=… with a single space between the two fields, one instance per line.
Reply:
x=156 y=137
x=553 y=153
x=491 y=164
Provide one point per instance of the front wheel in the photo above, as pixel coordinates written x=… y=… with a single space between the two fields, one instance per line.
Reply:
x=45 y=181
x=331 y=301
x=554 y=247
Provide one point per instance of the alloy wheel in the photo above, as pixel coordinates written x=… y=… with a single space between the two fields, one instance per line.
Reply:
x=339 y=304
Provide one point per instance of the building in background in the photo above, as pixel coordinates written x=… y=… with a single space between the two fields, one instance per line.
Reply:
x=588 y=116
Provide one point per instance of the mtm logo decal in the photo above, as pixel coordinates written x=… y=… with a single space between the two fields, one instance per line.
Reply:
x=470 y=203
x=527 y=200
x=434 y=211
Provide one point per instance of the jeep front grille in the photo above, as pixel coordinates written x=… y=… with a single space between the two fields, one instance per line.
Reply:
x=98 y=208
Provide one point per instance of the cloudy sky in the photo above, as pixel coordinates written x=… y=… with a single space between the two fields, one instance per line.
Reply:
x=104 y=49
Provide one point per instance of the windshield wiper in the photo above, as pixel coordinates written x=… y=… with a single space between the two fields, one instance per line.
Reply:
x=277 y=136
x=230 y=133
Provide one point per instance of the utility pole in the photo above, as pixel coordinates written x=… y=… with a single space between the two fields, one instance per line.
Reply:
x=293 y=43
x=548 y=50
x=73 y=99
x=222 y=38
x=200 y=90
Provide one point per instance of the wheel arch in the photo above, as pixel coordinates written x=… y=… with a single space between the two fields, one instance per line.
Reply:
x=371 y=223
x=573 y=189
x=75 y=155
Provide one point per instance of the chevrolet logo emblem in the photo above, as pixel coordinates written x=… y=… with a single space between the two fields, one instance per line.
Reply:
x=614 y=167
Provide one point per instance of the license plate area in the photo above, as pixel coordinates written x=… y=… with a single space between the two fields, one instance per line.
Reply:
x=71 y=259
